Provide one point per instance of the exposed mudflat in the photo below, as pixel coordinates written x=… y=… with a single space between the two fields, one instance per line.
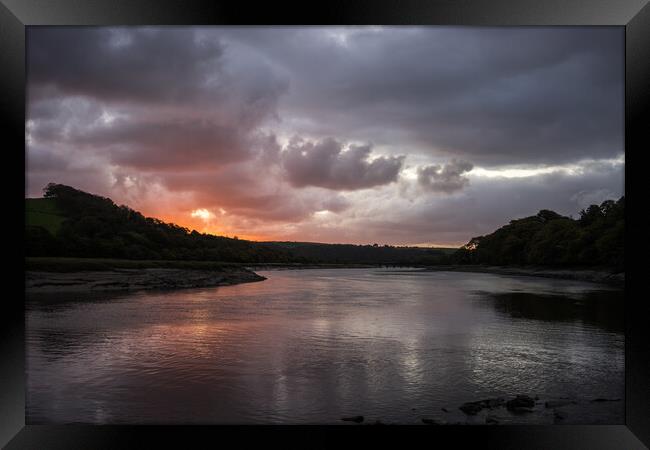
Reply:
x=135 y=279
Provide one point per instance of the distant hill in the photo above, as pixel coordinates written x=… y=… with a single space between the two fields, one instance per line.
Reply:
x=71 y=223
x=361 y=254
x=68 y=222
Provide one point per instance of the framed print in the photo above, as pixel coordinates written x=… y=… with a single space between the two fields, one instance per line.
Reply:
x=348 y=221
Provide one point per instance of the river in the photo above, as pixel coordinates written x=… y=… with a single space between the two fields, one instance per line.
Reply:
x=313 y=346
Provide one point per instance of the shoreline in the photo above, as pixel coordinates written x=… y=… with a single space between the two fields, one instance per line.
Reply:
x=46 y=275
x=602 y=276
x=135 y=279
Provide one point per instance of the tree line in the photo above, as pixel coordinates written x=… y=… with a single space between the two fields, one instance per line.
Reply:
x=595 y=238
x=95 y=227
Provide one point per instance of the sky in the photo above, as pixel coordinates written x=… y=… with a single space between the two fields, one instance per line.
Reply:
x=393 y=135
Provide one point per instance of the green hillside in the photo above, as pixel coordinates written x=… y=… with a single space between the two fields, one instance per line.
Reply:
x=71 y=223
x=43 y=212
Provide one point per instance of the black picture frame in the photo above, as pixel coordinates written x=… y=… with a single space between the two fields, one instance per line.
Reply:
x=15 y=15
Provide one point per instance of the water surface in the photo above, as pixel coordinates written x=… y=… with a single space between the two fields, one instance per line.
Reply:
x=312 y=346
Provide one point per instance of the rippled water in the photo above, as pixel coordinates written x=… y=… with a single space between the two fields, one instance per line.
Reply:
x=311 y=346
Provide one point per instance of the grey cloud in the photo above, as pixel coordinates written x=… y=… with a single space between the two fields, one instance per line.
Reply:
x=486 y=205
x=171 y=145
x=336 y=204
x=446 y=178
x=181 y=100
x=491 y=95
x=210 y=101
x=157 y=143
x=145 y=65
x=52 y=119
x=43 y=159
x=327 y=164
x=481 y=208
x=123 y=63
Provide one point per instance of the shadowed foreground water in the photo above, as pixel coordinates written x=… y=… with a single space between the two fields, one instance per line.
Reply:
x=312 y=346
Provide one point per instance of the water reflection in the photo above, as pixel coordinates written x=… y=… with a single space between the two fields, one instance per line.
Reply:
x=602 y=308
x=312 y=346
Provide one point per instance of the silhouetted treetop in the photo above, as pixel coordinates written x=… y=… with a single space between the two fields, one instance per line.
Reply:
x=95 y=227
x=596 y=238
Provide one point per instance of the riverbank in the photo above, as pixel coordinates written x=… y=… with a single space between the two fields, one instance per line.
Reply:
x=136 y=279
x=592 y=275
x=598 y=275
x=58 y=274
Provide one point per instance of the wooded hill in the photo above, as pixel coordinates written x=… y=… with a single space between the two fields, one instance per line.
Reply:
x=71 y=223
x=596 y=238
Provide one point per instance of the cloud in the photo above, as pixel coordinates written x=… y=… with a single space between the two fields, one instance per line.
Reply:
x=480 y=208
x=203 y=214
x=125 y=64
x=172 y=120
x=149 y=99
x=169 y=145
x=335 y=204
x=328 y=164
x=250 y=191
x=489 y=95
x=445 y=178
x=152 y=67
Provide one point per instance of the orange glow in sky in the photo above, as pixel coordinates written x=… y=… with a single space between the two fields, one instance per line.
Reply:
x=418 y=136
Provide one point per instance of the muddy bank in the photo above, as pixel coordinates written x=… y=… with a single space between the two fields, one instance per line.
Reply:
x=135 y=279
x=595 y=276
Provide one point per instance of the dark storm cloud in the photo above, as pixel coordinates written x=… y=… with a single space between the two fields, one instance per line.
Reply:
x=490 y=95
x=173 y=65
x=329 y=165
x=147 y=98
x=446 y=178
x=123 y=63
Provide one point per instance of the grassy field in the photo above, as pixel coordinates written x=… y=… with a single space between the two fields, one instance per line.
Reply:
x=42 y=212
x=53 y=264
